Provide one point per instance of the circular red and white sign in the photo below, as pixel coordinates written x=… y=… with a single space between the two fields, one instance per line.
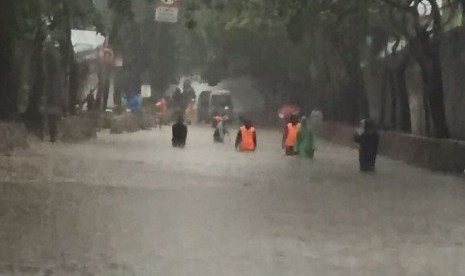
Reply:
x=105 y=54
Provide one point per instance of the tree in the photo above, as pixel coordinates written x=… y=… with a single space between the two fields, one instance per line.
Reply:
x=149 y=48
x=8 y=100
x=269 y=40
x=25 y=26
x=421 y=25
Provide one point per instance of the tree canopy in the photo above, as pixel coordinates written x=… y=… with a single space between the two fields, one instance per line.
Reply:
x=312 y=51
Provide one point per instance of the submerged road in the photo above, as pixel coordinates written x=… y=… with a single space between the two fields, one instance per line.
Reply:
x=131 y=205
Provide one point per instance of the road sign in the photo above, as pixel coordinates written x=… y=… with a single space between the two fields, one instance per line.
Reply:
x=167 y=15
x=119 y=61
x=167 y=11
x=146 y=91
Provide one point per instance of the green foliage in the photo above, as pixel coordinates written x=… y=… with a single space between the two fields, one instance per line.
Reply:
x=28 y=24
x=316 y=45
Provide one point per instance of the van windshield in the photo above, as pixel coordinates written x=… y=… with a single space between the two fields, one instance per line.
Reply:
x=221 y=100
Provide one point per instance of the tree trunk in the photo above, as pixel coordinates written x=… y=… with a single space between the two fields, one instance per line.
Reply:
x=356 y=99
x=118 y=89
x=8 y=89
x=73 y=85
x=33 y=115
x=404 y=101
x=435 y=98
x=392 y=81
x=427 y=116
x=428 y=56
x=100 y=86
x=67 y=56
x=383 y=99
x=106 y=93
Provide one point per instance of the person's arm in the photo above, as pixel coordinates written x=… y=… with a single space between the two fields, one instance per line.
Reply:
x=377 y=141
x=84 y=101
x=298 y=140
x=186 y=130
x=285 y=133
x=238 y=139
x=312 y=138
x=255 y=140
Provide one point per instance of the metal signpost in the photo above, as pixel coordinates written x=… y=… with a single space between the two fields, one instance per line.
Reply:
x=166 y=11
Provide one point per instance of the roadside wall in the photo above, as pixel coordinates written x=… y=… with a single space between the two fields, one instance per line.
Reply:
x=77 y=129
x=129 y=122
x=13 y=136
x=433 y=154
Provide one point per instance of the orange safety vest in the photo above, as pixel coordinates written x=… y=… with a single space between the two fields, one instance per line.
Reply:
x=291 y=134
x=247 y=143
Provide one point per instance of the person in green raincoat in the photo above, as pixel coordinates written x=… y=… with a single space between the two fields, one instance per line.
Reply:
x=305 y=143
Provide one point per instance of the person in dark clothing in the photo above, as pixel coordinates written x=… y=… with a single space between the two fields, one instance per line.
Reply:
x=179 y=134
x=90 y=100
x=177 y=98
x=246 y=139
x=177 y=103
x=368 y=138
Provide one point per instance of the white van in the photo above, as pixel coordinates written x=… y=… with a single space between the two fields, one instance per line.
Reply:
x=221 y=102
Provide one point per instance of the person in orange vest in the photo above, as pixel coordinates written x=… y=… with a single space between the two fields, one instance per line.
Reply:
x=246 y=137
x=290 y=135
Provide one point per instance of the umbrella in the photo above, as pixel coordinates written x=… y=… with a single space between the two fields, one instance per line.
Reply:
x=218 y=118
x=288 y=110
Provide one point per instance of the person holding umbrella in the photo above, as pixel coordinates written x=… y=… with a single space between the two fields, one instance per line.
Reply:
x=368 y=139
x=288 y=110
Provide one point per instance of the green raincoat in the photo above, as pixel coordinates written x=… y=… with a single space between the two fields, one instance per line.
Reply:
x=305 y=143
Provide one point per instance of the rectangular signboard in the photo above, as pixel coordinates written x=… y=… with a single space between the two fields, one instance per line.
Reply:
x=146 y=91
x=167 y=10
x=167 y=14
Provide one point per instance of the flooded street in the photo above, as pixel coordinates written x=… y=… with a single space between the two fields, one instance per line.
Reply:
x=132 y=205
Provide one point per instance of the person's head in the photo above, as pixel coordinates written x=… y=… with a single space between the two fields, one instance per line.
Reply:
x=180 y=120
x=303 y=121
x=247 y=123
x=369 y=125
x=187 y=83
x=294 y=119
